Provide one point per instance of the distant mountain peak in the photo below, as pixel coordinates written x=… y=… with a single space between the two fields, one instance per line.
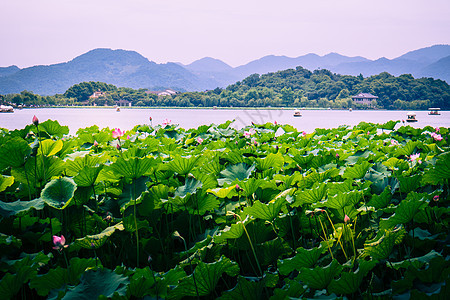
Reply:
x=208 y=64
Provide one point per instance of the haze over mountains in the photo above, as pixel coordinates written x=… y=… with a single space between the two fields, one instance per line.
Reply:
x=130 y=69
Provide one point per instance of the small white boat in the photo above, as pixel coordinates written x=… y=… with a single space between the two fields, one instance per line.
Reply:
x=297 y=113
x=6 y=108
x=411 y=117
x=350 y=109
x=434 y=111
x=118 y=109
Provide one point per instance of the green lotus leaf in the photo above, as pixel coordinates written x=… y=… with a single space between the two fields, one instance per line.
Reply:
x=349 y=282
x=303 y=258
x=13 y=153
x=316 y=177
x=238 y=172
x=133 y=167
x=5 y=182
x=96 y=240
x=212 y=166
x=313 y=195
x=292 y=289
x=49 y=147
x=382 y=200
x=227 y=192
x=381 y=247
x=38 y=171
x=266 y=212
x=250 y=186
x=207 y=276
x=56 y=278
x=87 y=176
x=58 y=193
x=275 y=161
x=152 y=199
x=404 y=212
x=142 y=282
x=208 y=181
x=415 y=262
x=53 y=128
x=200 y=203
x=409 y=183
x=441 y=170
x=10 y=285
x=320 y=277
x=96 y=283
x=16 y=207
x=342 y=187
x=407 y=149
x=234 y=231
x=82 y=159
x=245 y=289
x=389 y=125
x=341 y=200
x=183 y=165
x=358 y=171
x=190 y=187
x=394 y=163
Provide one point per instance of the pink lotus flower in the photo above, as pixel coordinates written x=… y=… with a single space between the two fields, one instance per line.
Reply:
x=199 y=140
x=337 y=155
x=394 y=143
x=35 y=120
x=237 y=187
x=166 y=122
x=59 y=242
x=346 y=219
x=436 y=136
x=150 y=119
x=128 y=137
x=256 y=143
x=275 y=122
x=304 y=133
x=436 y=198
x=413 y=157
x=250 y=132
x=437 y=129
x=95 y=144
x=117 y=133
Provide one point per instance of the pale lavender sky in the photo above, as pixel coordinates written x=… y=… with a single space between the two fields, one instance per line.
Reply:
x=236 y=31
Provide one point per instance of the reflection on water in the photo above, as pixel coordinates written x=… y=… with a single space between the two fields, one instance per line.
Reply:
x=127 y=118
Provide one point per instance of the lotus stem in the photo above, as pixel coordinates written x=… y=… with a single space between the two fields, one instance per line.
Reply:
x=28 y=181
x=253 y=249
x=326 y=239
x=135 y=223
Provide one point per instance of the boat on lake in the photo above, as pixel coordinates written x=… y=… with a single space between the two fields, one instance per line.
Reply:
x=118 y=109
x=411 y=117
x=297 y=113
x=434 y=111
x=6 y=109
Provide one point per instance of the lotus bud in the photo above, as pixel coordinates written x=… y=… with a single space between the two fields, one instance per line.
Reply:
x=118 y=147
x=35 y=121
x=95 y=144
x=436 y=198
x=346 y=219
x=59 y=242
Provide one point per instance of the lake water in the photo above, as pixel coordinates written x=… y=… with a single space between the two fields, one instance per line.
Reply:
x=127 y=118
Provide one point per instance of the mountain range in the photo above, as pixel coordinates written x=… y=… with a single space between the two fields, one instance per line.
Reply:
x=125 y=68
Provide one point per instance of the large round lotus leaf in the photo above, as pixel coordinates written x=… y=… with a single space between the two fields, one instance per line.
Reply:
x=13 y=153
x=59 y=192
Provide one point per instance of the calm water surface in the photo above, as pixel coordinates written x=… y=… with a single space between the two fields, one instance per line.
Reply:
x=127 y=118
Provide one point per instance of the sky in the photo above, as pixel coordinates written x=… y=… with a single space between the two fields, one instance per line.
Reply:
x=235 y=31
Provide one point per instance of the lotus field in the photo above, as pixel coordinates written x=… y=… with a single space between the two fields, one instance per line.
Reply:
x=263 y=212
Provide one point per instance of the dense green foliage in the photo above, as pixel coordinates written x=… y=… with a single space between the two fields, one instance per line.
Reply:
x=294 y=88
x=264 y=212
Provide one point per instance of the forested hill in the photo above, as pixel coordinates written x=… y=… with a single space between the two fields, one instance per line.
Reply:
x=303 y=86
x=290 y=88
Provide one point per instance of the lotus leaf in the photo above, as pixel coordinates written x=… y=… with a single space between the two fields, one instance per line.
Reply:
x=206 y=277
x=320 y=277
x=96 y=283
